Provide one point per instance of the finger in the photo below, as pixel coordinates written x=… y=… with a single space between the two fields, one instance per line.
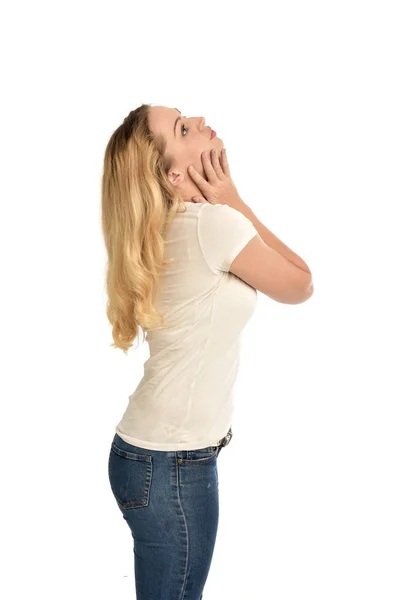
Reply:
x=199 y=199
x=201 y=183
x=224 y=163
x=216 y=164
x=208 y=168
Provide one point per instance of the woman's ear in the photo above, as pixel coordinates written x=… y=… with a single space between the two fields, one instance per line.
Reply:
x=175 y=176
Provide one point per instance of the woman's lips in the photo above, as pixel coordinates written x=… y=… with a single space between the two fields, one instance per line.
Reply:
x=213 y=133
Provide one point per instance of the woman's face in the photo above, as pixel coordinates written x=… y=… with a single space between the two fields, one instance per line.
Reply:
x=186 y=139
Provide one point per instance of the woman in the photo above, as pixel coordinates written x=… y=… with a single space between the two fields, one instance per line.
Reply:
x=186 y=257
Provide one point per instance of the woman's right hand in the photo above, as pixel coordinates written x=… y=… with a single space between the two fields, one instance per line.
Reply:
x=219 y=189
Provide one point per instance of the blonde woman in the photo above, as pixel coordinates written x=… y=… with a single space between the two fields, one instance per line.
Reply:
x=186 y=257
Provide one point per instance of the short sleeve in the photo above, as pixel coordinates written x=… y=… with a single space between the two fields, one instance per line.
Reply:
x=222 y=232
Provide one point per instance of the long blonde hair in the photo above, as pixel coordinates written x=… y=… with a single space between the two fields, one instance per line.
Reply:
x=138 y=203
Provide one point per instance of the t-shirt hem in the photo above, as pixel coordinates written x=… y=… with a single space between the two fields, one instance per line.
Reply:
x=171 y=446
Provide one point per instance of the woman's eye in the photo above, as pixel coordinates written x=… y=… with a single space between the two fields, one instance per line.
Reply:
x=182 y=128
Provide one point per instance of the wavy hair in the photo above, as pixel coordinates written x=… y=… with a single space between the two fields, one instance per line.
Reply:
x=138 y=203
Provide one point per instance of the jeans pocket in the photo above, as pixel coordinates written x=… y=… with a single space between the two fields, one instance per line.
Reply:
x=202 y=456
x=130 y=477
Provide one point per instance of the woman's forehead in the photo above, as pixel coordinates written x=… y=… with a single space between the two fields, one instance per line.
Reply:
x=162 y=120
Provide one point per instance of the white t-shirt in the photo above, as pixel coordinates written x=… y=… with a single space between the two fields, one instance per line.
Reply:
x=185 y=398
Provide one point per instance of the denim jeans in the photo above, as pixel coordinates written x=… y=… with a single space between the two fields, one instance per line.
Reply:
x=169 y=500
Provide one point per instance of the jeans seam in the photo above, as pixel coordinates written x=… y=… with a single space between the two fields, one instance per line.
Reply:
x=181 y=596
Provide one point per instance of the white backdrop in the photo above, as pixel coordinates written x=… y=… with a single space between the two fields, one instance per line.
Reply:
x=305 y=96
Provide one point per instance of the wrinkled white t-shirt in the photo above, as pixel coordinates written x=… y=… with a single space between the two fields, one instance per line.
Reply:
x=184 y=400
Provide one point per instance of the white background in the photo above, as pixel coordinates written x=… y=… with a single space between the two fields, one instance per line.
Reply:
x=305 y=96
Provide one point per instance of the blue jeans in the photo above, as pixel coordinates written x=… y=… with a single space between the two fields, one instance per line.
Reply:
x=169 y=499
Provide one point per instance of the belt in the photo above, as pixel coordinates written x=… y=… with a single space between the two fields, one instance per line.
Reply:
x=225 y=440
